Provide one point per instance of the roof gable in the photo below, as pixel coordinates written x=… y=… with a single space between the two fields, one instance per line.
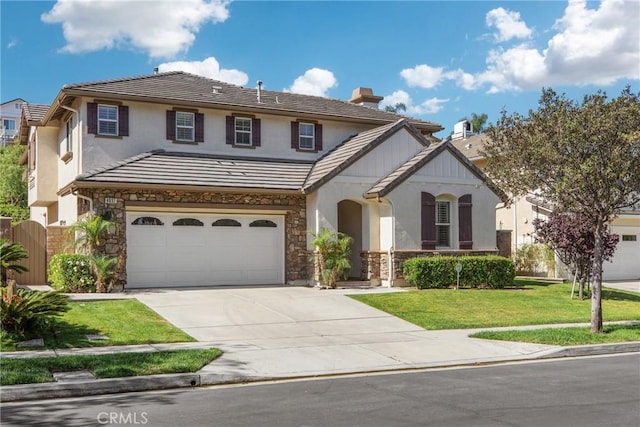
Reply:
x=350 y=151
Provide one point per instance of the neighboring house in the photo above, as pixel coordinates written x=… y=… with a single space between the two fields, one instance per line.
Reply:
x=10 y=112
x=215 y=184
x=518 y=218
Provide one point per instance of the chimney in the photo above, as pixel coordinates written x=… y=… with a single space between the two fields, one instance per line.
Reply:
x=364 y=96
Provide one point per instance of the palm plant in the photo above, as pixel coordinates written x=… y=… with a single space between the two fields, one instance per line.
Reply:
x=104 y=268
x=89 y=232
x=333 y=251
x=10 y=255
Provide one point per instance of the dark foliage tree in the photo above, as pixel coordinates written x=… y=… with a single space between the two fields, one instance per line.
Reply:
x=582 y=157
x=573 y=241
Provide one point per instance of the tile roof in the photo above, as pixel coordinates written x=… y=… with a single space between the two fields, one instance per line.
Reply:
x=349 y=151
x=471 y=146
x=34 y=112
x=180 y=87
x=173 y=168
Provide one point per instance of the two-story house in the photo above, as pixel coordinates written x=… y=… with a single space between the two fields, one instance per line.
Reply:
x=10 y=112
x=519 y=217
x=215 y=184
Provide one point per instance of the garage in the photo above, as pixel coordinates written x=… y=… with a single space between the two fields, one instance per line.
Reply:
x=624 y=265
x=182 y=249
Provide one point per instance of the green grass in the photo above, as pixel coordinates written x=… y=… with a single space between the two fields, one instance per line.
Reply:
x=567 y=336
x=40 y=369
x=126 y=321
x=528 y=303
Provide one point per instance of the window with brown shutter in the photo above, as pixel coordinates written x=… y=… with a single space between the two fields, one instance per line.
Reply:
x=428 y=221
x=92 y=118
x=306 y=136
x=295 y=134
x=107 y=119
x=123 y=120
x=465 y=230
x=171 y=125
x=255 y=136
x=199 y=136
x=243 y=131
x=318 y=137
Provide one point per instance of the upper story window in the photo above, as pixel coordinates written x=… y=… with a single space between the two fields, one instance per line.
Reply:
x=243 y=131
x=108 y=120
x=185 y=125
x=307 y=136
x=443 y=223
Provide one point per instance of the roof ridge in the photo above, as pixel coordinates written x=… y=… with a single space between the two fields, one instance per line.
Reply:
x=122 y=79
x=230 y=157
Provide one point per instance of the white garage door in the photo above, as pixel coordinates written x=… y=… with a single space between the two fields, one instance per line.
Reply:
x=194 y=249
x=625 y=264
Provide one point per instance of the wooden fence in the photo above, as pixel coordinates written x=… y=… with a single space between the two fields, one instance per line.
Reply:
x=33 y=237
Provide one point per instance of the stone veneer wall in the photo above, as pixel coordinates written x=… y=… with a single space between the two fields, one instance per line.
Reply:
x=373 y=262
x=296 y=257
x=58 y=241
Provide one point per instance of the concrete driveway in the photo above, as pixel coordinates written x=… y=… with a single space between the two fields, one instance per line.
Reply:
x=296 y=331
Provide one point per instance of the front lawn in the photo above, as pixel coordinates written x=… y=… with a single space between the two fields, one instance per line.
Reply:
x=566 y=336
x=41 y=369
x=126 y=321
x=528 y=303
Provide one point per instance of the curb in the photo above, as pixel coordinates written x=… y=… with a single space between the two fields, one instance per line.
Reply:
x=25 y=392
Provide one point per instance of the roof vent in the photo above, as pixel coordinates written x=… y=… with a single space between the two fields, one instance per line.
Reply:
x=259 y=90
x=364 y=96
x=155 y=70
x=216 y=89
x=462 y=130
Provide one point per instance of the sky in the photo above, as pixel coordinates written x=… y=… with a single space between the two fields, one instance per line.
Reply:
x=444 y=60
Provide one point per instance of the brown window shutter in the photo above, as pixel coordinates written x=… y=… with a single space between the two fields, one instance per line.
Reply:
x=231 y=130
x=92 y=117
x=465 y=234
x=295 y=134
x=123 y=120
x=255 y=132
x=171 y=125
x=199 y=127
x=318 y=130
x=428 y=223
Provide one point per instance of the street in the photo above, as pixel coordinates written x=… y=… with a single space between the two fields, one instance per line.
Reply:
x=588 y=391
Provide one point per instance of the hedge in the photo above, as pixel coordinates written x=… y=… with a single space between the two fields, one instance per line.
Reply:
x=477 y=271
x=72 y=273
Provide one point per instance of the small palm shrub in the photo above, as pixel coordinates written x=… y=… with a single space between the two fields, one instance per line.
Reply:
x=104 y=268
x=72 y=273
x=25 y=311
x=333 y=251
x=10 y=255
x=89 y=232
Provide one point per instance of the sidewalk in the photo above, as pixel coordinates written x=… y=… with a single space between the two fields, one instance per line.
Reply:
x=290 y=332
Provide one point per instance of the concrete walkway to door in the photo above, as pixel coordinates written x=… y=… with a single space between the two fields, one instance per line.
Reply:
x=280 y=332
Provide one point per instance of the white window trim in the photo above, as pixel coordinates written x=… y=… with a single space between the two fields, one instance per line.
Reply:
x=192 y=127
x=249 y=132
x=108 y=120
x=444 y=224
x=312 y=138
x=8 y=127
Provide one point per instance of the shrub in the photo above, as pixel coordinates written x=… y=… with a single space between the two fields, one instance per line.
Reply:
x=72 y=273
x=25 y=311
x=10 y=256
x=477 y=271
x=333 y=251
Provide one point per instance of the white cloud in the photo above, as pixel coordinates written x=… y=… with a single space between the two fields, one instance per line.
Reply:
x=588 y=46
x=314 y=81
x=508 y=24
x=162 y=28
x=208 y=67
x=429 y=106
x=422 y=76
x=12 y=43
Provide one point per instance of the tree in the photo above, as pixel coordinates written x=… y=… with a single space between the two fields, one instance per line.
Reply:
x=13 y=189
x=573 y=241
x=583 y=157
x=89 y=232
x=104 y=268
x=333 y=251
x=477 y=121
x=396 y=108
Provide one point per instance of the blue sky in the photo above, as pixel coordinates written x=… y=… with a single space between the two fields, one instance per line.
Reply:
x=443 y=59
